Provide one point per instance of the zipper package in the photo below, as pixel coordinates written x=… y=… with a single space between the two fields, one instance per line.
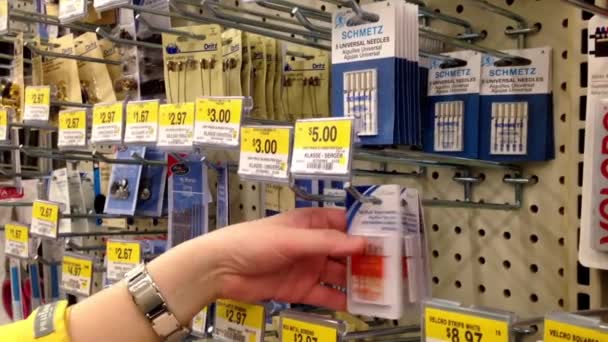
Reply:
x=152 y=185
x=232 y=62
x=124 y=183
x=120 y=82
x=95 y=79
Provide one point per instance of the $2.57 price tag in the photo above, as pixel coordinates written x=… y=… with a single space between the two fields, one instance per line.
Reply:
x=293 y=330
x=45 y=219
x=16 y=240
x=72 y=128
x=218 y=121
x=176 y=125
x=239 y=321
x=122 y=256
x=37 y=103
x=322 y=146
x=107 y=123
x=77 y=274
x=265 y=153
x=449 y=326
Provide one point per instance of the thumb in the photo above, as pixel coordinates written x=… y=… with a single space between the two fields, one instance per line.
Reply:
x=321 y=242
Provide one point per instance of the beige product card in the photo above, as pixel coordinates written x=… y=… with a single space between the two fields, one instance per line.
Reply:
x=37 y=67
x=316 y=75
x=293 y=90
x=271 y=47
x=62 y=73
x=279 y=113
x=232 y=62
x=111 y=52
x=94 y=77
x=258 y=60
x=17 y=75
x=246 y=70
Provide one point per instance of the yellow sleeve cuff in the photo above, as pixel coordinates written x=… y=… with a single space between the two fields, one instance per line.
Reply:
x=47 y=324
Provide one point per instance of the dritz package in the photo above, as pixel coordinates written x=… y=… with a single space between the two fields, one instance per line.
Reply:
x=375 y=73
x=451 y=123
x=516 y=121
x=152 y=185
x=124 y=183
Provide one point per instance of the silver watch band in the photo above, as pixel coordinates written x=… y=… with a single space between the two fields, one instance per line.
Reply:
x=151 y=303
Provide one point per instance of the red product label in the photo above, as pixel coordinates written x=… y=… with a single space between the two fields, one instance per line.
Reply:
x=367 y=266
x=10 y=192
x=603 y=210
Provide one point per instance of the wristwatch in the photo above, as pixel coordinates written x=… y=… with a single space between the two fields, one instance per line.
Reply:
x=151 y=303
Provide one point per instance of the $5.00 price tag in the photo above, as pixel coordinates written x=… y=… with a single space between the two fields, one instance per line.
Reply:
x=239 y=321
x=107 y=123
x=556 y=331
x=76 y=274
x=3 y=124
x=265 y=153
x=122 y=256
x=45 y=219
x=72 y=128
x=37 y=103
x=218 y=121
x=449 y=326
x=293 y=330
x=176 y=125
x=322 y=146
x=142 y=122
x=3 y=16
x=16 y=240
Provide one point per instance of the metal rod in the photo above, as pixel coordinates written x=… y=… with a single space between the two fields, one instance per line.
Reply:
x=128 y=42
x=31 y=17
x=180 y=33
x=312 y=197
x=350 y=189
x=469 y=204
x=522 y=23
x=357 y=335
x=11 y=57
x=306 y=23
x=287 y=7
x=523 y=326
x=299 y=54
x=363 y=15
x=34 y=49
x=70 y=104
x=588 y=7
x=111 y=233
x=268 y=16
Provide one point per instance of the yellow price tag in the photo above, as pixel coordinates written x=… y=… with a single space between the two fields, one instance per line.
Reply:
x=265 y=152
x=124 y=252
x=104 y=114
x=556 y=331
x=77 y=267
x=177 y=114
x=16 y=240
x=219 y=110
x=16 y=233
x=293 y=330
x=3 y=16
x=3 y=117
x=45 y=216
x=249 y=315
x=142 y=112
x=323 y=134
x=69 y=120
x=76 y=274
x=263 y=140
x=38 y=96
x=444 y=325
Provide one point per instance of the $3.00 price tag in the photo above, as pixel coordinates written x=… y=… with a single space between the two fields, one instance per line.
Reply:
x=107 y=123
x=449 y=326
x=45 y=219
x=239 y=321
x=122 y=256
x=265 y=152
x=16 y=240
x=556 y=331
x=77 y=274
x=293 y=330
x=72 y=128
x=176 y=125
x=142 y=122
x=3 y=124
x=37 y=103
x=3 y=16
x=322 y=146
x=218 y=121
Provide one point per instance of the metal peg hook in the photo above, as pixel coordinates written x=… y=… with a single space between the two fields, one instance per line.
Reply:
x=363 y=15
x=128 y=42
x=36 y=50
x=287 y=7
x=306 y=23
x=588 y=7
x=180 y=33
x=312 y=197
x=348 y=187
x=299 y=55
x=469 y=34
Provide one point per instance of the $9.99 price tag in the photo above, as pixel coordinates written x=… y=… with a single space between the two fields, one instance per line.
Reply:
x=176 y=125
x=16 y=240
x=322 y=146
x=45 y=219
x=122 y=256
x=72 y=128
x=449 y=326
x=218 y=121
x=107 y=123
x=293 y=330
x=239 y=321
x=37 y=103
x=77 y=274
x=265 y=153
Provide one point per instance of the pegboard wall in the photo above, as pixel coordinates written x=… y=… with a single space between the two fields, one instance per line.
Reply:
x=522 y=260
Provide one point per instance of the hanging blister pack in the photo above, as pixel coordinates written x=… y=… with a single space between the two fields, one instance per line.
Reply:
x=124 y=183
x=152 y=185
x=232 y=62
x=95 y=80
x=516 y=120
x=270 y=45
x=451 y=123
x=59 y=192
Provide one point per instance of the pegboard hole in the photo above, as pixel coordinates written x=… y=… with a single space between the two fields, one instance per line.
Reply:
x=560 y=302
x=435 y=175
x=562 y=148
x=457 y=256
x=435 y=280
x=534 y=208
x=564 y=86
x=538 y=26
x=457 y=230
x=565 y=54
x=481 y=288
x=481 y=232
x=323 y=8
x=506 y=235
x=534 y=179
x=435 y=228
x=482 y=176
x=561 y=241
x=253 y=207
x=458 y=284
x=534 y=268
x=253 y=187
x=561 y=211
x=241 y=206
x=562 y=117
x=435 y=254
x=506 y=293
x=459 y=8
x=565 y=23
x=506 y=264
x=533 y=298
x=240 y=186
x=533 y=238
x=484 y=34
x=482 y=260
x=510 y=2
x=560 y=272
x=562 y=180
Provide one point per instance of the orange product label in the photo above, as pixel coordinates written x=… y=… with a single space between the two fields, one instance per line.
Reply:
x=367 y=266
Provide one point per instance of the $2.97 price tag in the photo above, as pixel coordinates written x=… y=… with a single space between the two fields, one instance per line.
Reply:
x=142 y=122
x=77 y=274
x=176 y=125
x=218 y=121
x=556 y=331
x=239 y=321
x=122 y=256
x=449 y=326
x=16 y=240
x=265 y=152
x=45 y=219
x=107 y=122
x=293 y=330
x=37 y=103
x=322 y=146
x=72 y=128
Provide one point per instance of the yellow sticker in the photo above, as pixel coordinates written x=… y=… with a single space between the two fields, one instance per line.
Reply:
x=142 y=112
x=16 y=240
x=443 y=325
x=323 y=134
x=261 y=140
x=219 y=110
x=16 y=233
x=177 y=114
x=45 y=216
x=124 y=252
x=556 y=331
x=38 y=96
x=104 y=114
x=3 y=16
x=249 y=315
x=69 y=120
x=293 y=330
x=3 y=117
x=76 y=275
x=77 y=267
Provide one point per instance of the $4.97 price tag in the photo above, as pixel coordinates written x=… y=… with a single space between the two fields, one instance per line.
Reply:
x=45 y=219
x=107 y=123
x=72 y=128
x=176 y=125
x=322 y=146
x=218 y=121
x=16 y=240
x=265 y=153
x=449 y=326
x=77 y=274
x=293 y=330
x=557 y=331
x=122 y=256
x=142 y=122
x=239 y=321
x=37 y=103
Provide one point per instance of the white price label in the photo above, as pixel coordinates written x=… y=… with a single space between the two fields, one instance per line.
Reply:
x=3 y=16
x=45 y=219
x=142 y=122
x=107 y=122
x=176 y=125
x=71 y=10
x=122 y=256
x=72 y=128
x=218 y=121
x=37 y=103
x=265 y=152
x=77 y=274
x=16 y=240
x=108 y=4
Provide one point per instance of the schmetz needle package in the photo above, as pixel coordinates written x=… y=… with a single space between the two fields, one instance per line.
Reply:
x=152 y=185
x=452 y=118
x=516 y=120
x=375 y=75
x=124 y=183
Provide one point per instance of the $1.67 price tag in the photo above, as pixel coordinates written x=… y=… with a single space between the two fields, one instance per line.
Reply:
x=122 y=256
x=77 y=274
x=72 y=128
x=293 y=330
x=16 y=240
x=265 y=153
x=218 y=121
x=37 y=103
x=142 y=122
x=176 y=125
x=239 y=321
x=322 y=146
x=449 y=326
x=107 y=123
x=45 y=219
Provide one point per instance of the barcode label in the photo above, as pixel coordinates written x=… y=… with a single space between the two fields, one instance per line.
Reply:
x=320 y=165
x=234 y=335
